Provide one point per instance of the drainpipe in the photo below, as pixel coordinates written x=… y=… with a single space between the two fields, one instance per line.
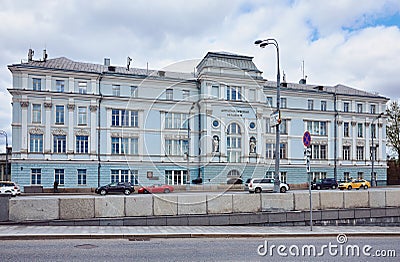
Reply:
x=335 y=137
x=98 y=130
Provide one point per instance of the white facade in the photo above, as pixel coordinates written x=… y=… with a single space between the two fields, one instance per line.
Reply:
x=85 y=124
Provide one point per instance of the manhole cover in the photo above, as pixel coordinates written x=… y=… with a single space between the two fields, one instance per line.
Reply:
x=86 y=246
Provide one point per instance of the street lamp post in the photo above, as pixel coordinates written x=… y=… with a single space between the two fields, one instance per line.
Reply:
x=263 y=44
x=188 y=178
x=373 y=152
x=4 y=133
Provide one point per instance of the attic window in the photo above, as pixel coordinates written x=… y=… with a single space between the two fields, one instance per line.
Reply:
x=111 y=68
x=319 y=88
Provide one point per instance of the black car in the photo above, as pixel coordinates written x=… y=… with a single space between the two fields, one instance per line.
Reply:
x=324 y=183
x=116 y=187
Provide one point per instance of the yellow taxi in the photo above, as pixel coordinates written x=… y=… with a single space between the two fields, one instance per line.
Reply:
x=354 y=183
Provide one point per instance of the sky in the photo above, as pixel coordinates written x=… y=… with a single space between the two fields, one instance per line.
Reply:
x=350 y=42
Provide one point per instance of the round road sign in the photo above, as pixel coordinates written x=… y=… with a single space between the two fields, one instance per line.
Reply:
x=307 y=139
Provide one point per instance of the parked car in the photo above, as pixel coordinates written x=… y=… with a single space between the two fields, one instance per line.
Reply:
x=158 y=188
x=197 y=180
x=246 y=184
x=355 y=183
x=116 y=187
x=324 y=183
x=258 y=185
x=8 y=187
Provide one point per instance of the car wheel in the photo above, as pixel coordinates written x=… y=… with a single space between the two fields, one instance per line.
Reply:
x=283 y=189
x=365 y=186
x=103 y=192
x=334 y=187
x=127 y=192
x=166 y=190
x=258 y=190
x=318 y=187
x=349 y=188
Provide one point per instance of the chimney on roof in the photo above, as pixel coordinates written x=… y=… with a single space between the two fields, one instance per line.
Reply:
x=44 y=55
x=30 y=55
x=128 y=62
x=303 y=81
x=106 y=61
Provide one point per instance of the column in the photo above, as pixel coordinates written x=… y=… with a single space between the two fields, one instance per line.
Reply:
x=93 y=126
x=260 y=142
x=354 y=142
x=71 y=138
x=339 y=139
x=47 y=86
x=367 y=139
x=24 y=127
x=71 y=85
x=47 y=135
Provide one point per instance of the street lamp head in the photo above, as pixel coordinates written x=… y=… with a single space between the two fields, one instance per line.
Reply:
x=264 y=44
x=257 y=42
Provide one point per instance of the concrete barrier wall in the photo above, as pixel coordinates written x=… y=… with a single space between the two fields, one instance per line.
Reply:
x=87 y=207
x=34 y=209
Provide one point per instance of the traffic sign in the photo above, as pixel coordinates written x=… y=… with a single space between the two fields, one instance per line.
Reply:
x=275 y=118
x=307 y=139
x=308 y=152
x=308 y=165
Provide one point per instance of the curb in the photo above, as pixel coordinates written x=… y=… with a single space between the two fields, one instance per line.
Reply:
x=146 y=237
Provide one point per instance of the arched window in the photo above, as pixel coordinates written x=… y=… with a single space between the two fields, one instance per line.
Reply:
x=234 y=143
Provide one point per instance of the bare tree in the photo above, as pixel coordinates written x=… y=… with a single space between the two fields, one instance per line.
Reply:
x=393 y=127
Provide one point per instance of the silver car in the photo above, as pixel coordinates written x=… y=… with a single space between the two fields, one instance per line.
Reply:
x=259 y=185
x=7 y=187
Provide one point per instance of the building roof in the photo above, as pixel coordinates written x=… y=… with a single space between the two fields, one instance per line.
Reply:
x=63 y=63
x=338 y=89
x=228 y=60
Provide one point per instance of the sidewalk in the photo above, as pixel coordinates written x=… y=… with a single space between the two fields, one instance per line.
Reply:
x=17 y=232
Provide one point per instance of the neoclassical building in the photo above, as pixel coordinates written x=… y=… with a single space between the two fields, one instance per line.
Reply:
x=84 y=124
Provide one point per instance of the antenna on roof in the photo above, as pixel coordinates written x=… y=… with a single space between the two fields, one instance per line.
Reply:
x=128 y=62
x=30 y=55
x=303 y=81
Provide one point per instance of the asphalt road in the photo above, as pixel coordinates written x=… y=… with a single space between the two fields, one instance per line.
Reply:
x=202 y=249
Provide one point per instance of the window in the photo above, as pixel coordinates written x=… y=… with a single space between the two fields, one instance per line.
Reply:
x=82 y=115
x=124 y=118
x=176 y=121
x=360 y=153
x=283 y=126
x=283 y=103
x=269 y=174
x=175 y=177
x=318 y=152
x=346 y=129
x=37 y=84
x=175 y=147
x=116 y=90
x=60 y=115
x=134 y=91
x=310 y=104
x=283 y=177
x=323 y=105
x=316 y=127
x=215 y=92
x=268 y=128
x=373 y=130
x=360 y=175
x=82 y=144
x=169 y=94
x=269 y=101
x=36 y=143
x=36 y=176
x=234 y=143
x=124 y=175
x=59 y=176
x=82 y=87
x=346 y=152
x=372 y=109
x=360 y=132
x=318 y=175
x=346 y=107
x=346 y=176
x=60 y=84
x=81 y=176
x=359 y=108
x=373 y=152
x=233 y=93
x=36 y=113
x=270 y=151
x=125 y=146
x=185 y=94
x=59 y=144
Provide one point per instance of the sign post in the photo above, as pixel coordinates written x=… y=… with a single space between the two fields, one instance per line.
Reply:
x=307 y=143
